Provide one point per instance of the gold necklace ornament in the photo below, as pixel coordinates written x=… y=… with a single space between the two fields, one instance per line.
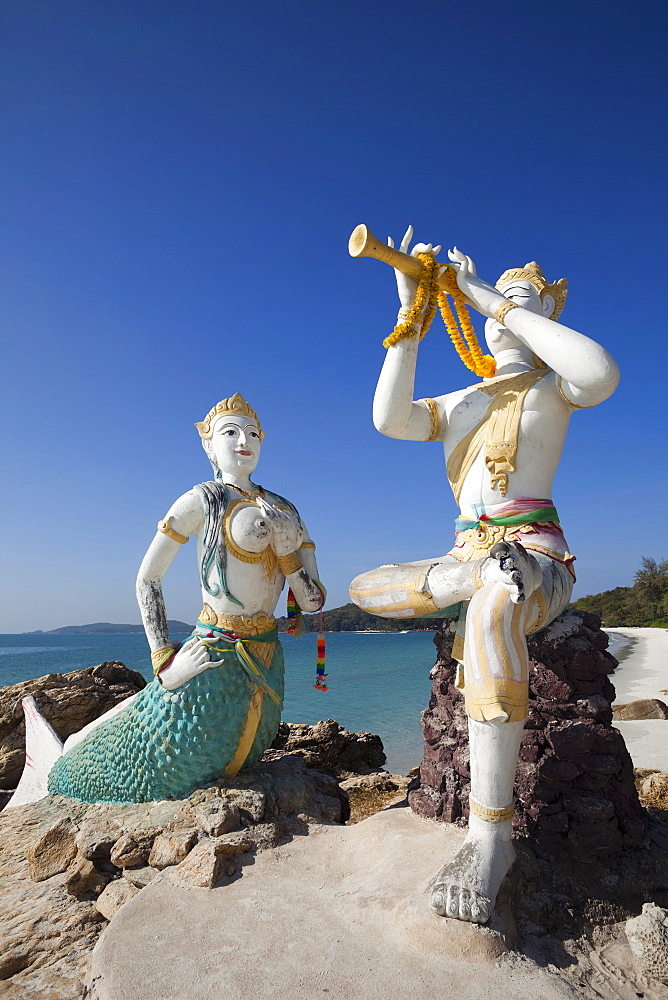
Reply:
x=250 y=496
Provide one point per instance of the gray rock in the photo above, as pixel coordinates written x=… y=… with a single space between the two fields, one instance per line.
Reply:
x=97 y=837
x=328 y=747
x=133 y=848
x=654 y=790
x=216 y=817
x=203 y=865
x=171 y=848
x=54 y=851
x=85 y=878
x=140 y=877
x=648 y=939
x=114 y=896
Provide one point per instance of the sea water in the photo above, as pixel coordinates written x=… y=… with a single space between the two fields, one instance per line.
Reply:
x=378 y=682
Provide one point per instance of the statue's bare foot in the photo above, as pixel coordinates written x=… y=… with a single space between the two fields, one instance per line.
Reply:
x=514 y=568
x=466 y=886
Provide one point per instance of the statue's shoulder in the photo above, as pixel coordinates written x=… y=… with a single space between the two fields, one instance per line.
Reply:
x=188 y=503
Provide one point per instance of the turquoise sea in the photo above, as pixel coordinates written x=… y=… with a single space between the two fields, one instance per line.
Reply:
x=379 y=682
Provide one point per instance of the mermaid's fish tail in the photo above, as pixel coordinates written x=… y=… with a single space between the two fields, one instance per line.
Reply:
x=43 y=748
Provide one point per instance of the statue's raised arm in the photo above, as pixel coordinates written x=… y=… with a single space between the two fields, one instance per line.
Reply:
x=522 y=311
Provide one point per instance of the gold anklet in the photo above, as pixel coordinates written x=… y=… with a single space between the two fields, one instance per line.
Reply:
x=491 y=815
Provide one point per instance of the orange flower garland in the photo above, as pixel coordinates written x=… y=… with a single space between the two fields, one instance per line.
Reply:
x=429 y=295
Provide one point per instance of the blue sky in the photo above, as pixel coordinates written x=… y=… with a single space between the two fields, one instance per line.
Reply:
x=179 y=180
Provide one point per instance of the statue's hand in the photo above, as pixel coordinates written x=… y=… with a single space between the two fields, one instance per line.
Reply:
x=510 y=565
x=406 y=286
x=482 y=296
x=191 y=659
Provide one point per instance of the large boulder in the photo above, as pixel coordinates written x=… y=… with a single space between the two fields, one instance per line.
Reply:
x=645 y=708
x=328 y=747
x=68 y=701
x=575 y=792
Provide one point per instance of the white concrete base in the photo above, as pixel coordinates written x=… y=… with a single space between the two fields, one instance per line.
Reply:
x=341 y=914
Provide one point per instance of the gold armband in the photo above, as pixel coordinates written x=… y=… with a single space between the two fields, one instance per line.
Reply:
x=435 y=429
x=491 y=815
x=160 y=656
x=289 y=564
x=504 y=308
x=576 y=406
x=165 y=527
x=307 y=544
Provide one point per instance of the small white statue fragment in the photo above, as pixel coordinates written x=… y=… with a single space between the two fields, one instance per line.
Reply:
x=510 y=570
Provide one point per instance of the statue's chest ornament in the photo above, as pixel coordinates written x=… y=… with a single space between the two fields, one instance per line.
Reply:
x=247 y=532
x=497 y=434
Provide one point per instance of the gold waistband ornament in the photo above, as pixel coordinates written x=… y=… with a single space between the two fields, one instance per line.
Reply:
x=243 y=625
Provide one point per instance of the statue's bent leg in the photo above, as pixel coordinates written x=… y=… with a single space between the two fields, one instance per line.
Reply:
x=403 y=590
x=496 y=690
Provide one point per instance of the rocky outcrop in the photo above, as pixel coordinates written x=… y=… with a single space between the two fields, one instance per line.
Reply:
x=68 y=701
x=369 y=793
x=575 y=791
x=647 y=935
x=66 y=868
x=329 y=748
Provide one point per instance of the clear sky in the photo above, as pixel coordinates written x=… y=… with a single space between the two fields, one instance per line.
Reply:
x=179 y=181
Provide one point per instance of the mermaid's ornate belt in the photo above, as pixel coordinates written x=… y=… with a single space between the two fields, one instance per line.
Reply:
x=241 y=625
x=230 y=629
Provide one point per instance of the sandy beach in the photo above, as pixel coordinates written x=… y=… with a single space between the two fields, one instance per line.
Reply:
x=643 y=673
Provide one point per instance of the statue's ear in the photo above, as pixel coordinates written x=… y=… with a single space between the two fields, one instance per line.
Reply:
x=206 y=444
x=548 y=305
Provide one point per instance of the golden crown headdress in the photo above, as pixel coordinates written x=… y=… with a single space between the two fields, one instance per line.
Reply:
x=237 y=406
x=533 y=272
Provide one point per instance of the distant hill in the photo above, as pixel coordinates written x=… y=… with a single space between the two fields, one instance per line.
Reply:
x=350 y=618
x=175 y=628
x=643 y=604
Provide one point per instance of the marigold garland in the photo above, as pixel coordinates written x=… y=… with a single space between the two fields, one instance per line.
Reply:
x=423 y=310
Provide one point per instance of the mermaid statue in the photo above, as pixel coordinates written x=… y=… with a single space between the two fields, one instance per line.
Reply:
x=215 y=702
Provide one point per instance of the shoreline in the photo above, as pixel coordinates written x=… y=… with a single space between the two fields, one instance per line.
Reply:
x=643 y=673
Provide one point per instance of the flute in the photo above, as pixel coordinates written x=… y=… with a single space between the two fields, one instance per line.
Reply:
x=363 y=243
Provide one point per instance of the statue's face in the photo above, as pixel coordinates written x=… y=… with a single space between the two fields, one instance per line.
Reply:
x=526 y=295
x=234 y=444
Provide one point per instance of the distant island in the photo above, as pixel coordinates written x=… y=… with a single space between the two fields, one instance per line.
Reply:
x=101 y=628
x=643 y=604
x=350 y=618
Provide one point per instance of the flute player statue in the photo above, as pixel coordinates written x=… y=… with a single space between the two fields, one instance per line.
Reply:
x=214 y=705
x=509 y=570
